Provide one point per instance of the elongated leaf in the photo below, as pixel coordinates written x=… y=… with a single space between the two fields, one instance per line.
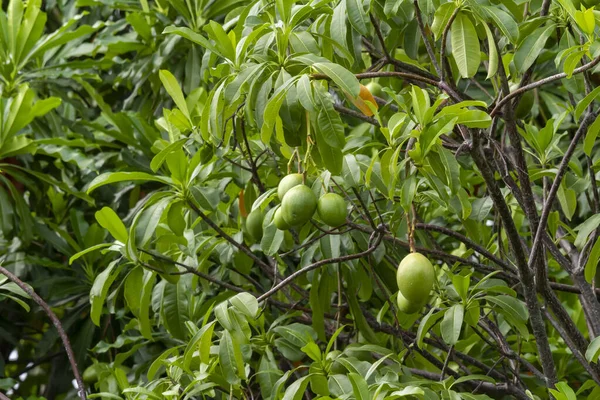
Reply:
x=145 y=297
x=192 y=36
x=441 y=18
x=296 y=390
x=593 y=351
x=174 y=90
x=504 y=21
x=110 y=221
x=493 y=56
x=531 y=47
x=357 y=16
x=465 y=45
x=591 y=136
x=359 y=386
x=592 y=262
x=100 y=289
x=89 y=250
x=115 y=177
x=341 y=76
x=513 y=307
x=426 y=323
x=583 y=104
x=451 y=325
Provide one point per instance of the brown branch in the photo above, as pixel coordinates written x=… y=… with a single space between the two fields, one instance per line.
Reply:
x=356 y=114
x=470 y=243
x=537 y=241
x=428 y=46
x=57 y=324
x=318 y=264
x=443 y=59
x=539 y=83
x=240 y=246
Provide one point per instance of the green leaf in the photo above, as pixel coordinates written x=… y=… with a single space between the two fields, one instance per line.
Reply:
x=357 y=16
x=192 y=36
x=593 y=351
x=360 y=320
x=426 y=323
x=531 y=47
x=109 y=220
x=271 y=112
x=174 y=306
x=174 y=90
x=587 y=100
x=231 y=358
x=440 y=19
x=246 y=304
x=465 y=45
x=493 y=56
x=100 y=289
x=592 y=262
x=223 y=41
x=296 y=390
x=159 y=159
x=145 y=296
x=590 y=137
x=478 y=377
x=511 y=306
x=332 y=157
x=341 y=76
x=359 y=386
x=585 y=229
x=115 y=177
x=451 y=325
x=91 y=249
x=504 y=21
x=201 y=342
x=318 y=313
x=271 y=239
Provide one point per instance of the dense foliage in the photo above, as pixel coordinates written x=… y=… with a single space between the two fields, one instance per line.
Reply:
x=141 y=149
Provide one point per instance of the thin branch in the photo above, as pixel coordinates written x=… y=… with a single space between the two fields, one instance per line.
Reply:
x=443 y=59
x=240 y=246
x=562 y=169
x=253 y=167
x=516 y=246
x=57 y=324
x=539 y=83
x=498 y=389
x=356 y=114
x=318 y=264
x=428 y=46
x=189 y=270
x=574 y=350
x=470 y=243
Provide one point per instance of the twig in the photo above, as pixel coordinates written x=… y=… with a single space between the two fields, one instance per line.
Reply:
x=57 y=324
x=443 y=59
x=562 y=169
x=239 y=246
x=539 y=83
x=318 y=264
x=356 y=114
x=470 y=243
x=428 y=46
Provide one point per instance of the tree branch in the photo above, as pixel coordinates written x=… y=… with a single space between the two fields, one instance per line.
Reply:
x=57 y=324
x=516 y=246
x=541 y=82
x=318 y=264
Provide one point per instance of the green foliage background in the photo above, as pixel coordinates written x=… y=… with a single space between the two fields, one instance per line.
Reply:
x=135 y=137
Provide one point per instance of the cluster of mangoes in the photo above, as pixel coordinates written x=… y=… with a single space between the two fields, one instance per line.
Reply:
x=298 y=205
